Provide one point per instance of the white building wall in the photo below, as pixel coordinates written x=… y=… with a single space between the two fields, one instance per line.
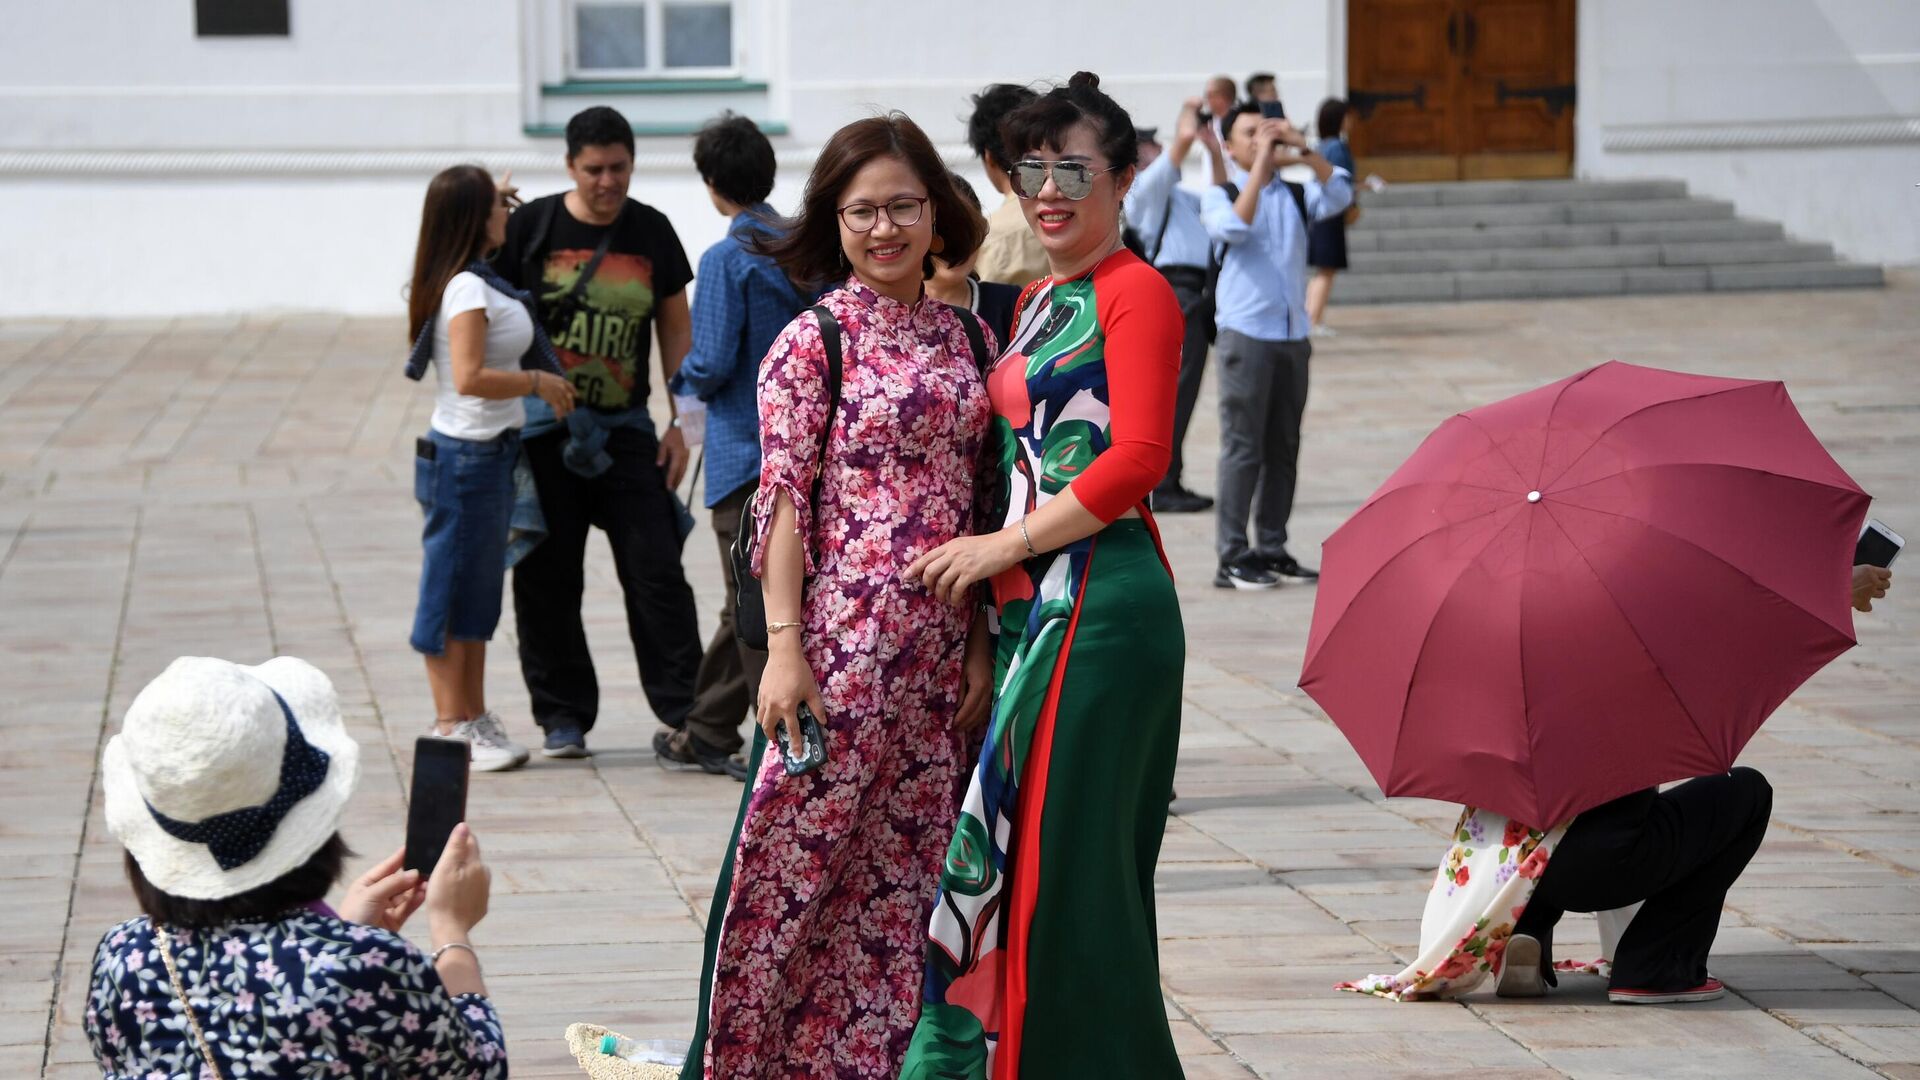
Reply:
x=148 y=172
x=1802 y=111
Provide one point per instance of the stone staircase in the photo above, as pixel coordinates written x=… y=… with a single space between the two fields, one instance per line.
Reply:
x=1493 y=240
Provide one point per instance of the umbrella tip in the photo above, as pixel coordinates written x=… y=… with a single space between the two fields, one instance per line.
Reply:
x=1533 y=496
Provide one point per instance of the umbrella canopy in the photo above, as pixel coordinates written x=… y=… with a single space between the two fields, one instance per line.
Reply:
x=1591 y=588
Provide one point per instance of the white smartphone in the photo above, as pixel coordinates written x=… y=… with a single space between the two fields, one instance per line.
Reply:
x=1878 y=545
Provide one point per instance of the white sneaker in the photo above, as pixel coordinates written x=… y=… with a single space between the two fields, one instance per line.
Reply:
x=492 y=750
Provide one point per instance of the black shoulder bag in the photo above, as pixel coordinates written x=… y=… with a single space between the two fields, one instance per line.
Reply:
x=749 y=603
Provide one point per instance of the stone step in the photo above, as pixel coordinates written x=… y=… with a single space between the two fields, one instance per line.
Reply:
x=1507 y=192
x=1598 y=281
x=1591 y=257
x=1585 y=213
x=1829 y=275
x=1702 y=232
x=1362 y=239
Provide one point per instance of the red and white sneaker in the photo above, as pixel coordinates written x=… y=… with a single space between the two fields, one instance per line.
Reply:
x=1710 y=990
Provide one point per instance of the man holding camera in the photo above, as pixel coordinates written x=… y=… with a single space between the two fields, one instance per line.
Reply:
x=607 y=271
x=1263 y=344
x=1167 y=218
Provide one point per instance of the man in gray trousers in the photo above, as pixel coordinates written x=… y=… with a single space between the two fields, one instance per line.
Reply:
x=1262 y=349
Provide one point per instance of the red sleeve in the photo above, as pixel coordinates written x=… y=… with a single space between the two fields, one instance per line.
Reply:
x=1143 y=329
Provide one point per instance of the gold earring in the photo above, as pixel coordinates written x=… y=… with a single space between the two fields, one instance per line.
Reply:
x=939 y=244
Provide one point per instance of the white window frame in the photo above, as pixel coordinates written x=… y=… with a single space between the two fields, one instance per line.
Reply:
x=656 y=46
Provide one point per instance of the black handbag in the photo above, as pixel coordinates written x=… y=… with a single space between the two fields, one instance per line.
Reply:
x=749 y=603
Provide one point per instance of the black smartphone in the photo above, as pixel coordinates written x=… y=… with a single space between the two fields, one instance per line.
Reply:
x=1877 y=546
x=425 y=448
x=812 y=738
x=1273 y=110
x=438 y=801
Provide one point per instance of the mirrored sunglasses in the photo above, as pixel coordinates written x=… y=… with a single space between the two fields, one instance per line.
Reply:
x=1074 y=179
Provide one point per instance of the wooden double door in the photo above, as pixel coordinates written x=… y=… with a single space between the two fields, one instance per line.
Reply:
x=1461 y=89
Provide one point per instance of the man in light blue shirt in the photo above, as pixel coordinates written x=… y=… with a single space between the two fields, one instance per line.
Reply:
x=1261 y=310
x=1167 y=218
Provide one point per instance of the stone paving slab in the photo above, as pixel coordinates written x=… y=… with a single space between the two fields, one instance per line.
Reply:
x=242 y=489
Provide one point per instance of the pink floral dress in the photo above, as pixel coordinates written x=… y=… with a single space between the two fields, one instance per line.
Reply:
x=820 y=958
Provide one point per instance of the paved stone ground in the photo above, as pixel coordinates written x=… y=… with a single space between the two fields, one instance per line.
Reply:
x=242 y=489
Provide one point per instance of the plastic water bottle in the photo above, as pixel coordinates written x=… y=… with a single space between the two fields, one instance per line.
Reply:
x=650 y=1052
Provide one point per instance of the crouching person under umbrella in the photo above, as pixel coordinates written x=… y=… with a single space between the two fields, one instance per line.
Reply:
x=1654 y=866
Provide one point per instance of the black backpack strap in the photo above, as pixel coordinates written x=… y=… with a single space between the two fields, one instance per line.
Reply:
x=579 y=290
x=1299 y=193
x=1160 y=237
x=830 y=338
x=976 y=340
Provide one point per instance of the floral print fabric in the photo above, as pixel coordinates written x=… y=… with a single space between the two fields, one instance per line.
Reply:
x=307 y=996
x=1483 y=885
x=818 y=970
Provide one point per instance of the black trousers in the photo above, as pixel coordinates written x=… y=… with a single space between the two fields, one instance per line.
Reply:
x=1196 y=307
x=631 y=504
x=1679 y=850
x=729 y=680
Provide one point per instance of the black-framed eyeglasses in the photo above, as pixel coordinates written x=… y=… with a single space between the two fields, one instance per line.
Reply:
x=903 y=212
x=1074 y=179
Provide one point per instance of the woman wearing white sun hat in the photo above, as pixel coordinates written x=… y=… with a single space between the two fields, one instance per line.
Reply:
x=226 y=785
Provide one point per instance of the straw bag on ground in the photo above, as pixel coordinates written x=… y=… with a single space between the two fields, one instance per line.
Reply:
x=584 y=1041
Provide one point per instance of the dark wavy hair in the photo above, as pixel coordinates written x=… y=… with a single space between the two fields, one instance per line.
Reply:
x=733 y=154
x=1332 y=119
x=991 y=106
x=298 y=887
x=453 y=233
x=1042 y=123
x=599 y=125
x=809 y=251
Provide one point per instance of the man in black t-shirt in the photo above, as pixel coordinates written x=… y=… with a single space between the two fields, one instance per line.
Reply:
x=606 y=467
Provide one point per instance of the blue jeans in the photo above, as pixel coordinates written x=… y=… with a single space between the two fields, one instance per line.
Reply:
x=466 y=492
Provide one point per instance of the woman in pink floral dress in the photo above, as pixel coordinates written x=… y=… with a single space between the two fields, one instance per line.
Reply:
x=817 y=954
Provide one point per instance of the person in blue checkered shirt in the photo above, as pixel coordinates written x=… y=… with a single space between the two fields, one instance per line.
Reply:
x=741 y=303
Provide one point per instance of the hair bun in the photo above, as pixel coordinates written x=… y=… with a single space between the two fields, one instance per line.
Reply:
x=1084 y=80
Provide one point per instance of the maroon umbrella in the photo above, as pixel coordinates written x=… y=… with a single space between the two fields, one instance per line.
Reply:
x=1585 y=590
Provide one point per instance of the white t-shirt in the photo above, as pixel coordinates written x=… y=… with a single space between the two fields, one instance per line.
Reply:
x=509 y=332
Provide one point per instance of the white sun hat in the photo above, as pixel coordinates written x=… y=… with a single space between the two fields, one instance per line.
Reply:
x=225 y=777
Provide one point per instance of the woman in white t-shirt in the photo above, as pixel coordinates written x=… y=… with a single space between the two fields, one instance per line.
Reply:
x=476 y=333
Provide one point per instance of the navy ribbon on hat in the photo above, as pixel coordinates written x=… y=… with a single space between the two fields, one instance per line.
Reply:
x=236 y=836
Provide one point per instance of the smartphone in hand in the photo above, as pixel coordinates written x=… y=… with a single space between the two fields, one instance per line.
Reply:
x=812 y=737
x=438 y=800
x=1877 y=546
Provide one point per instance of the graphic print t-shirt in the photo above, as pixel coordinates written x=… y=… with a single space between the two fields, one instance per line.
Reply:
x=607 y=344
